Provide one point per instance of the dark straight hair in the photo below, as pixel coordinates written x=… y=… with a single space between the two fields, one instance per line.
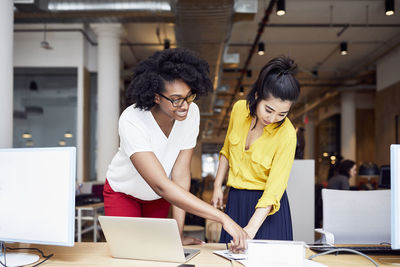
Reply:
x=276 y=79
x=345 y=166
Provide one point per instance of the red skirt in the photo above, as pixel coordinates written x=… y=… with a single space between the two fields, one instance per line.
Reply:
x=120 y=204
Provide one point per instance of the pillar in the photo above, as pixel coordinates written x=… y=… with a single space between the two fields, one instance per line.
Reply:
x=108 y=107
x=6 y=73
x=348 y=127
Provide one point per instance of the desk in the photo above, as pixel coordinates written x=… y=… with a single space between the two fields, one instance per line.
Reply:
x=93 y=210
x=97 y=254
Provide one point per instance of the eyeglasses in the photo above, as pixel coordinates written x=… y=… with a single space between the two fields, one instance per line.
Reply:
x=179 y=102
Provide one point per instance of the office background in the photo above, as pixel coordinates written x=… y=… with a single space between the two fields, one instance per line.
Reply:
x=66 y=65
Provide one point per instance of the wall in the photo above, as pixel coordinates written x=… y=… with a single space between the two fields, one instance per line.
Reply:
x=68 y=51
x=387 y=104
x=387 y=108
x=388 y=70
x=365 y=136
x=365 y=127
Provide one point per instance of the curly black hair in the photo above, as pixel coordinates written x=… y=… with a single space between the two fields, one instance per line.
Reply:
x=151 y=74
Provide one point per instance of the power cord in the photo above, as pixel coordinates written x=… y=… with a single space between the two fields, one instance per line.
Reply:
x=343 y=249
x=46 y=257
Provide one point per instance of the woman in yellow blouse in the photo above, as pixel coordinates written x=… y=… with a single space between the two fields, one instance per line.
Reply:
x=258 y=152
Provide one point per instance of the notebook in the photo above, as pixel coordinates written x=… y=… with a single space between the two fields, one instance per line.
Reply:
x=145 y=239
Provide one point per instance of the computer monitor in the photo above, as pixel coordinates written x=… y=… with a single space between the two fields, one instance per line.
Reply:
x=37 y=198
x=384 y=177
x=395 y=195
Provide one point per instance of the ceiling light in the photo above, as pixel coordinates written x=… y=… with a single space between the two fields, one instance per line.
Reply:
x=280 y=8
x=249 y=73
x=26 y=135
x=167 y=44
x=68 y=134
x=44 y=44
x=261 y=48
x=33 y=86
x=315 y=73
x=241 y=90
x=389 y=7
x=61 y=142
x=343 y=48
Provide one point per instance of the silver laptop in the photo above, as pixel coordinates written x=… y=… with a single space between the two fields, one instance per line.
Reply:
x=145 y=239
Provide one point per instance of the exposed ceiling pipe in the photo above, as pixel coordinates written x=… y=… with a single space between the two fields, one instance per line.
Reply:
x=329 y=95
x=308 y=107
x=332 y=92
x=103 y=11
x=205 y=27
x=125 y=5
x=87 y=37
x=260 y=31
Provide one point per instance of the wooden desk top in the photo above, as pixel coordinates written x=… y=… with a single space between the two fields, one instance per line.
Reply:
x=97 y=254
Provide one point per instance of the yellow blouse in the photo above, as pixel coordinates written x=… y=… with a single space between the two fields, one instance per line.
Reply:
x=266 y=164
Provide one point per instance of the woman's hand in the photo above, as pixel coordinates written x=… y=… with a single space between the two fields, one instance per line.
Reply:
x=188 y=240
x=218 y=197
x=238 y=244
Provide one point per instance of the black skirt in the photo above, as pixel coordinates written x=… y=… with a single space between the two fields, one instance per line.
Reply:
x=241 y=206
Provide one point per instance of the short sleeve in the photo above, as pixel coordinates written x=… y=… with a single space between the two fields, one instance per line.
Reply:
x=133 y=136
x=191 y=127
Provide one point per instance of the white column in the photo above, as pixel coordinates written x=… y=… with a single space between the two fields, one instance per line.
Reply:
x=309 y=152
x=6 y=73
x=348 y=127
x=108 y=61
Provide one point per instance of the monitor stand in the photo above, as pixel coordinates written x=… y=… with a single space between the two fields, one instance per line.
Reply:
x=18 y=259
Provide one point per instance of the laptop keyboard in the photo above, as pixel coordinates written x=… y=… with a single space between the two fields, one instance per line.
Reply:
x=373 y=250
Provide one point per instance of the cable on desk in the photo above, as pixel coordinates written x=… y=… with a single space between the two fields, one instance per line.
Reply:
x=388 y=262
x=46 y=257
x=343 y=249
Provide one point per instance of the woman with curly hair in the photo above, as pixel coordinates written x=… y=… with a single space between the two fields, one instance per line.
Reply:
x=158 y=132
x=258 y=152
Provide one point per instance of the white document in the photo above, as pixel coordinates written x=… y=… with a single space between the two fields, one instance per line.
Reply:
x=242 y=258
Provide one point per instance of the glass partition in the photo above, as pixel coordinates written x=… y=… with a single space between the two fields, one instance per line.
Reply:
x=45 y=107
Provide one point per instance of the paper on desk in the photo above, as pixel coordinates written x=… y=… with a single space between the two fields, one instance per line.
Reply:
x=242 y=258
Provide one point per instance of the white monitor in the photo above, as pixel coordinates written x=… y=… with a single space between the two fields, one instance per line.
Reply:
x=37 y=197
x=395 y=195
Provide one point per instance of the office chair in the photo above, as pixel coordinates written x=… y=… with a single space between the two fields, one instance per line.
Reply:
x=355 y=217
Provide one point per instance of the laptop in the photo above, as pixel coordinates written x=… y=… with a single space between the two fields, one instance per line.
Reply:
x=151 y=239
